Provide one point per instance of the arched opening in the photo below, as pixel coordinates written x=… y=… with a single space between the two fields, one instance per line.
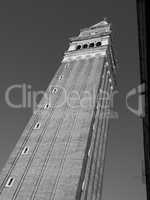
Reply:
x=54 y=91
x=10 y=182
x=47 y=106
x=60 y=77
x=85 y=46
x=67 y=65
x=25 y=150
x=91 y=45
x=37 y=126
x=78 y=47
x=98 y=44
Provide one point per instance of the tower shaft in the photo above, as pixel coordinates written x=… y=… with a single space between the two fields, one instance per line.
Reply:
x=61 y=153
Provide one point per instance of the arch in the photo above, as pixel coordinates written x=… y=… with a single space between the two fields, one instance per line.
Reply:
x=67 y=65
x=92 y=45
x=98 y=44
x=10 y=182
x=78 y=47
x=60 y=77
x=37 y=126
x=54 y=91
x=110 y=80
x=47 y=106
x=85 y=46
x=25 y=150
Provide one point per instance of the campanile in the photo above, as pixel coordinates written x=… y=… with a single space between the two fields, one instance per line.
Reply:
x=60 y=154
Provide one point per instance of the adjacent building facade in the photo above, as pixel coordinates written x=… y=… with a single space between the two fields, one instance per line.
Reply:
x=143 y=33
x=60 y=154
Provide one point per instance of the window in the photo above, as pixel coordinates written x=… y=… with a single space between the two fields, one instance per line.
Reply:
x=108 y=72
x=83 y=185
x=91 y=45
x=37 y=126
x=93 y=33
x=10 y=182
x=103 y=76
x=25 y=150
x=106 y=64
x=67 y=65
x=78 y=47
x=60 y=77
x=110 y=80
x=54 y=90
x=47 y=106
x=94 y=126
x=98 y=106
x=85 y=46
x=89 y=152
x=98 y=44
x=111 y=87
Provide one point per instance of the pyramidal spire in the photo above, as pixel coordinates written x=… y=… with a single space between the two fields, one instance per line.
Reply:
x=100 y=24
x=103 y=27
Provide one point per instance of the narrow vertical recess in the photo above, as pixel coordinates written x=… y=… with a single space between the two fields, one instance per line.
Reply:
x=10 y=182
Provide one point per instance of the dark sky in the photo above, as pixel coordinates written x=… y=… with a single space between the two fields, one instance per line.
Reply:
x=33 y=37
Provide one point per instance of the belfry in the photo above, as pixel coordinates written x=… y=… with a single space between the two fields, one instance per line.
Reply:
x=60 y=154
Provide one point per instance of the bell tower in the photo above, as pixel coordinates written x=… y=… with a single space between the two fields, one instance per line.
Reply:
x=60 y=154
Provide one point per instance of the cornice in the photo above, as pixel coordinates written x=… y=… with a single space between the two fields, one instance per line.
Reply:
x=71 y=55
x=73 y=39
